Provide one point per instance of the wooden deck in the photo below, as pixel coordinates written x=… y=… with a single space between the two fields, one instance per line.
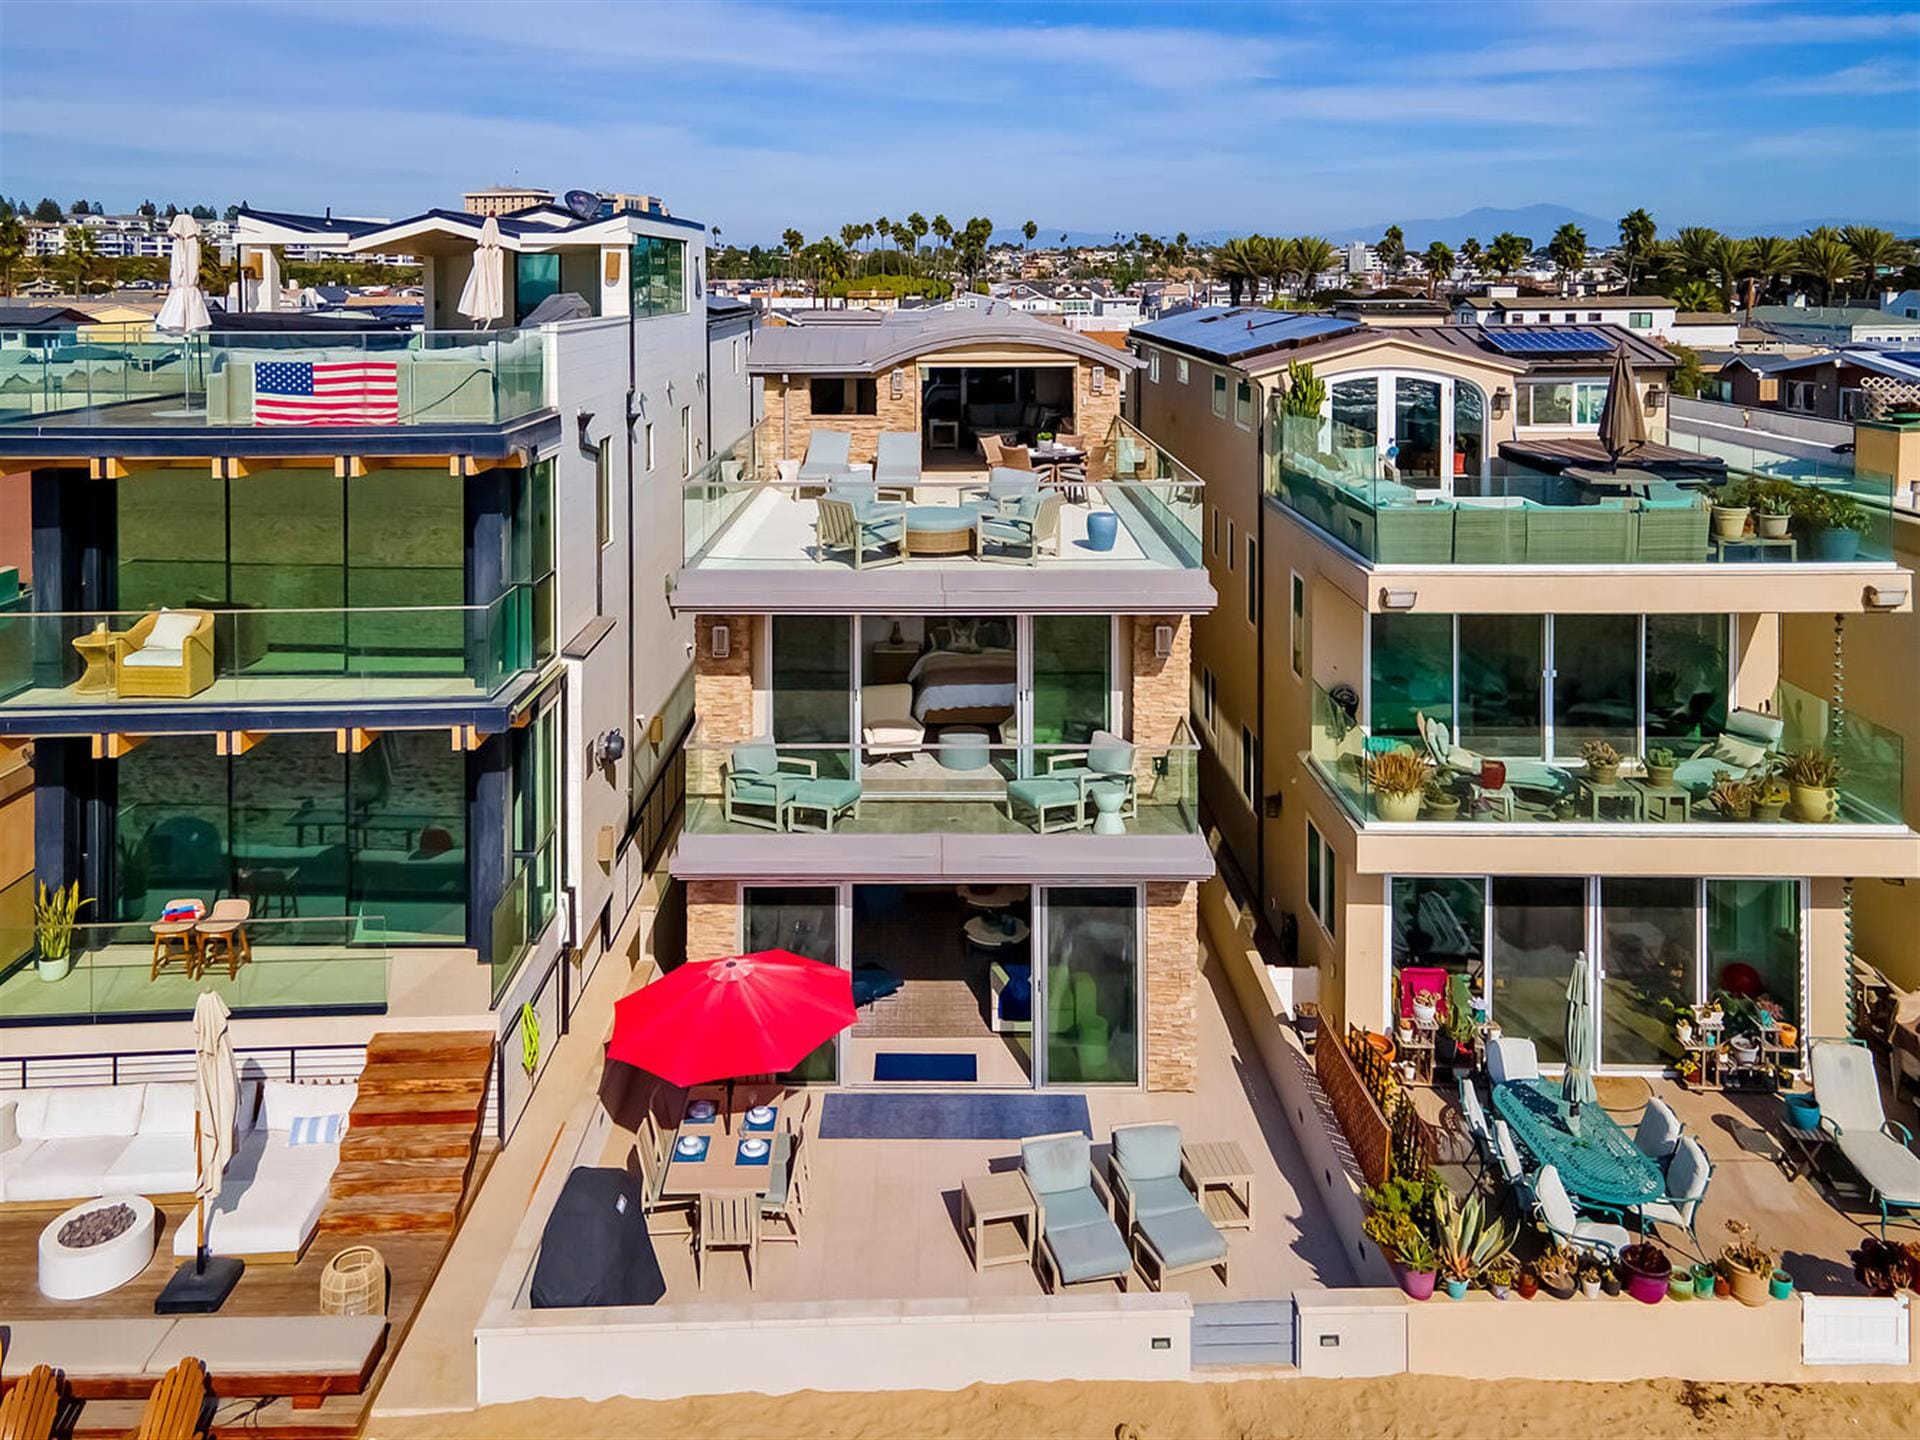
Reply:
x=400 y=1187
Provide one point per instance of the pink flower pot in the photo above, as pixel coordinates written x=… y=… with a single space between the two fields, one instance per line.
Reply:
x=1417 y=1283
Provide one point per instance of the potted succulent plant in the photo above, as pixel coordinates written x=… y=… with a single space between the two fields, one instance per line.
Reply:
x=1426 y=1009
x=1526 y=1284
x=1646 y=1269
x=1466 y=1239
x=1499 y=1277
x=1610 y=1280
x=1407 y=1249
x=1603 y=762
x=1732 y=505
x=1590 y=1269
x=1886 y=1267
x=1733 y=798
x=1703 y=1277
x=1773 y=503
x=1770 y=798
x=1398 y=779
x=1812 y=776
x=1746 y=1264
x=1441 y=803
x=53 y=917
x=1661 y=763
x=1834 y=523
x=1780 y=1287
x=1556 y=1269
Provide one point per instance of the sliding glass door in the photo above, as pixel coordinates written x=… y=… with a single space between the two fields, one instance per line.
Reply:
x=812 y=680
x=1539 y=926
x=1649 y=963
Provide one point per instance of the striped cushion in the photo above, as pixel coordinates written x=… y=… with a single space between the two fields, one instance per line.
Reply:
x=317 y=1130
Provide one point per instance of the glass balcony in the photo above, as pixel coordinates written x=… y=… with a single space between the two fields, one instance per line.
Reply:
x=744 y=510
x=1518 y=515
x=951 y=787
x=94 y=659
x=1728 y=781
x=214 y=378
x=298 y=966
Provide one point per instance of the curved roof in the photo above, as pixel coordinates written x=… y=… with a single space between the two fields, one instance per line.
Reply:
x=822 y=346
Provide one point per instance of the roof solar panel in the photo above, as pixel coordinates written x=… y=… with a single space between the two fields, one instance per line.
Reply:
x=1229 y=332
x=1549 y=342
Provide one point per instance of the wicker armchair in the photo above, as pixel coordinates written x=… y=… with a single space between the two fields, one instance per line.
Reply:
x=166 y=655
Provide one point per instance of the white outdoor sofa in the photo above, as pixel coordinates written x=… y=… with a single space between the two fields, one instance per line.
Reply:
x=73 y=1142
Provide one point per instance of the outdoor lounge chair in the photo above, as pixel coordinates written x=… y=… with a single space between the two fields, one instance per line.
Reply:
x=887 y=726
x=1474 y=1115
x=828 y=797
x=1171 y=1234
x=1064 y=800
x=758 y=777
x=1881 y=1150
x=167 y=655
x=1006 y=488
x=1107 y=760
x=223 y=936
x=1743 y=749
x=1557 y=1214
x=1510 y=1060
x=1658 y=1135
x=1687 y=1177
x=27 y=1411
x=828 y=453
x=1507 y=1156
x=1079 y=1243
x=1027 y=528
x=1448 y=756
x=859 y=528
x=896 y=466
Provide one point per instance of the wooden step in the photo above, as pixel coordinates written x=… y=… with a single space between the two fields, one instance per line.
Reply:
x=464 y=1047
x=442 y=1175
x=419 y=1077
x=382 y=1215
x=461 y=1108
x=398 y=1143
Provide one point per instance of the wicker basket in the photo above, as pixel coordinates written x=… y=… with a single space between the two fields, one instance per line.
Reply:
x=354 y=1282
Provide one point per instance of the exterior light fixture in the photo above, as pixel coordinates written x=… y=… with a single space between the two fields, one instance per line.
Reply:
x=1654 y=396
x=1399 y=599
x=720 y=642
x=1502 y=398
x=609 y=747
x=896 y=385
x=1162 y=641
x=1886 y=597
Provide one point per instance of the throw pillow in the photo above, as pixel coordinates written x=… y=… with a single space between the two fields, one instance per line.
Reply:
x=316 y=1130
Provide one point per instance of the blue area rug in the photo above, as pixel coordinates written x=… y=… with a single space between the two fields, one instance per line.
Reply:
x=925 y=1065
x=951 y=1117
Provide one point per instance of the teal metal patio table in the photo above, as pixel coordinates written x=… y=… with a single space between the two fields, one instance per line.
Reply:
x=1600 y=1164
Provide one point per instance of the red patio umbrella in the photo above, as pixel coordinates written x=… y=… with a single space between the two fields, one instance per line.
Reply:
x=741 y=1015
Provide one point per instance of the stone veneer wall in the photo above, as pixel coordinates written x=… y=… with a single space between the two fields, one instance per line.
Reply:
x=713 y=926
x=722 y=698
x=1161 y=693
x=1172 y=980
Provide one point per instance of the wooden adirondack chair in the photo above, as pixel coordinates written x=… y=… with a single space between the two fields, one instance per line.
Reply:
x=176 y=1405
x=29 y=1409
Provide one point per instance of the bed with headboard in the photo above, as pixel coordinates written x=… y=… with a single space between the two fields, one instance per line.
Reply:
x=967 y=674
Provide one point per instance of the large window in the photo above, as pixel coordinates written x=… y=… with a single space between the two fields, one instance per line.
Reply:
x=1322 y=880
x=812 y=678
x=1561 y=402
x=1539 y=926
x=1753 y=942
x=1092 y=985
x=1596 y=682
x=1649 y=948
x=532 y=891
x=1412 y=673
x=659 y=276
x=1072 y=678
x=535 y=278
x=1438 y=924
x=844 y=395
x=804 y=919
x=531 y=562
x=1500 y=684
x=1687 y=673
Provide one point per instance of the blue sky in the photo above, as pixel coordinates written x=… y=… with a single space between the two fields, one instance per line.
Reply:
x=757 y=116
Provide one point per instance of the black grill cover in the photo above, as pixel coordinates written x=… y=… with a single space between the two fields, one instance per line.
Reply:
x=595 y=1249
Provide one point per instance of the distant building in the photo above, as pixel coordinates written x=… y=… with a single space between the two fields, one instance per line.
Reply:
x=1647 y=315
x=504 y=199
x=1706 y=329
x=1826 y=387
x=1837 y=324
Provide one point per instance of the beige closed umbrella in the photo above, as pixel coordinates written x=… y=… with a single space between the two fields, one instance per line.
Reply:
x=484 y=299
x=185 y=308
x=203 y=1283
x=1623 y=427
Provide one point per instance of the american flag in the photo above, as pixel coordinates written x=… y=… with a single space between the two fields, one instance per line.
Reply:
x=342 y=392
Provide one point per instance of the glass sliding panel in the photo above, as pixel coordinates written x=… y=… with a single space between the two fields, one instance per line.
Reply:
x=1539 y=925
x=1469 y=429
x=1649 y=949
x=405 y=539
x=171 y=825
x=1500 y=660
x=812 y=675
x=1412 y=673
x=1072 y=678
x=1356 y=425
x=1416 y=420
x=535 y=277
x=290 y=829
x=407 y=799
x=806 y=920
x=1439 y=931
x=171 y=534
x=1092 y=985
x=1686 y=678
x=288 y=542
x=1753 y=942
x=1596 y=677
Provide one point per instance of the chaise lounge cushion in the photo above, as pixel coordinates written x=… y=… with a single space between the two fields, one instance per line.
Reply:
x=272 y=1345
x=1089 y=1252
x=270 y=1200
x=1884 y=1163
x=1148 y=1152
x=1057 y=1164
x=1184 y=1237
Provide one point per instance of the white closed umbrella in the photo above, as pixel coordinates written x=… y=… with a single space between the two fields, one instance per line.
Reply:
x=1576 y=1085
x=202 y=1285
x=185 y=309
x=484 y=299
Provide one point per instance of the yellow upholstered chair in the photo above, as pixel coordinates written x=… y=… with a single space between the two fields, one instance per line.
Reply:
x=167 y=655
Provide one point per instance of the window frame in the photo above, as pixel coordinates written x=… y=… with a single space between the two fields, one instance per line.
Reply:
x=1180 y=368
x=647 y=437
x=1219 y=396
x=1153 y=366
x=1322 y=882
x=1297 y=623
x=603 y=492
x=1209 y=696
x=1249 y=767
x=1243 y=404
x=1253 y=580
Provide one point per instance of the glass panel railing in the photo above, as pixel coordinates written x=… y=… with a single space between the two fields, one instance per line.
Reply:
x=51 y=659
x=384 y=377
x=1166 y=492
x=271 y=967
x=521 y=913
x=1403 y=780
x=1335 y=478
x=957 y=786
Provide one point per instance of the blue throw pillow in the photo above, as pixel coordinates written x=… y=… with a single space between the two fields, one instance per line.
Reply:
x=317 y=1130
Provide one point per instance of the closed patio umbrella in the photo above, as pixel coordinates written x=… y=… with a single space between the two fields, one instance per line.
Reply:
x=1576 y=1086
x=185 y=308
x=1623 y=429
x=202 y=1284
x=484 y=298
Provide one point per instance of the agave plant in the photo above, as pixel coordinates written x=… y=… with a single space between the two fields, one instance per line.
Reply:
x=1398 y=772
x=1466 y=1239
x=53 y=917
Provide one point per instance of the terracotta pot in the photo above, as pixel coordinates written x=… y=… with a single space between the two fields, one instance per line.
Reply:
x=1527 y=1285
x=1750 y=1287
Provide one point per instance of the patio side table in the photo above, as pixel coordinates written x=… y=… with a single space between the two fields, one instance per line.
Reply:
x=998 y=1215
x=1593 y=793
x=1664 y=802
x=1222 y=1181
x=1801 y=1154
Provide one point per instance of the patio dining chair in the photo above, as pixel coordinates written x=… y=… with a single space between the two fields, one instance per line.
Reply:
x=1687 y=1177
x=1511 y=1060
x=785 y=1199
x=1880 y=1150
x=1079 y=1242
x=729 y=1220
x=222 y=936
x=652 y=1151
x=1160 y=1212
x=1513 y=1171
x=1072 y=479
x=1556 y=1212
x=1658 y=1134
x=1475 y=1116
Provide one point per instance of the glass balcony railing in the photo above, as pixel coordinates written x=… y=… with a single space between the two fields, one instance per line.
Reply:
x=1728 y=781
x=1517 y=515
x=55 y=659
x=521 y=914
x=296 y=966
x=398 y=377
x=950 y=787
x=746 y=510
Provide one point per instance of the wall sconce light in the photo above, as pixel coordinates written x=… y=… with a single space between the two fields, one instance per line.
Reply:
x=656 y=728
x=896 y=385
x=1099 y=382
x=612 y=269
x=720 y=642
x=1654 y=396
x=1886 y=597
x=1399 y=599
x=1502 y=398
x=584 y=420
x=609 y=747
x=1273 y=805
x=1163 y=641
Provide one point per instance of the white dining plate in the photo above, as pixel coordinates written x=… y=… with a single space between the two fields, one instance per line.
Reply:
x=689 y=1145
x=753 y=1148
x=702 y=1110
x=760 y=1114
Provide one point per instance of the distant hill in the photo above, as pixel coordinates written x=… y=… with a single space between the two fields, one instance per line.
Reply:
x=1537 y=222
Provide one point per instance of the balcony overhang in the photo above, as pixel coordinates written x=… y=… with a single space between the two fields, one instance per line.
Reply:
x=932 y=859
x=26 y=446
x=979 y=589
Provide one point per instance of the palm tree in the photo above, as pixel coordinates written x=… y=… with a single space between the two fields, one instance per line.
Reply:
x=1568 y=251
x=849 y=235
x=1768 y=256
x=1694 y=295
x=1275 y=260
x=1873 y=250
x=917 y=223
x=1314 y=255
x=1826 y=260
x=80 y=256
x=1508 y=252
x=1470 y=256
x=1237 y=263
x=13 y=246
x=943 y=231
x=1637 y=233
x=1732 y=261
x=1439 y=263
x=1392 y=249
x=793 y=240
x=1027 y=232
x=1693 y=250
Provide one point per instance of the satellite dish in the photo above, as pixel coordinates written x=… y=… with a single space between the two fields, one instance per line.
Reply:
x=583 y=203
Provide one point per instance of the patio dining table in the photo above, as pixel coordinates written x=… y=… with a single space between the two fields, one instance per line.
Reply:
x=722 y=1166
x=1599 y=1163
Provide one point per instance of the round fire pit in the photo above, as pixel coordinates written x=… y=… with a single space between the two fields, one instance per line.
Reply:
x=97 y=1246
